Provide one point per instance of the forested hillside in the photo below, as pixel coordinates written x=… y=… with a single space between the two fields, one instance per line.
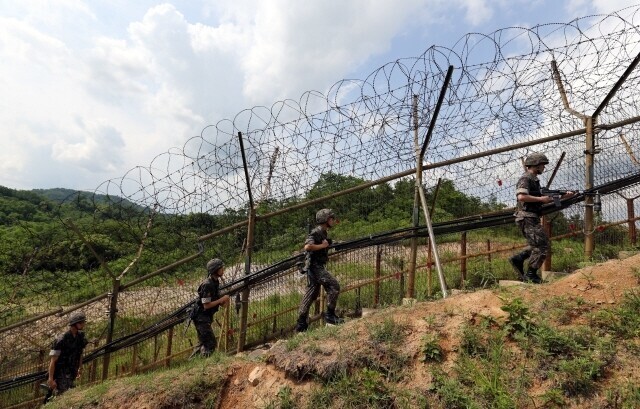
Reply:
x=44 y=233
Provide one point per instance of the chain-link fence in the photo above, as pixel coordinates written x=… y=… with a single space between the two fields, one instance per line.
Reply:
x=246 y=190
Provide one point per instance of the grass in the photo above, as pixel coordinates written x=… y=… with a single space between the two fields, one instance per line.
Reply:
x=431 y=349
x=555 y=355
x=623 y=321
x=198 y=381
x=363 y=389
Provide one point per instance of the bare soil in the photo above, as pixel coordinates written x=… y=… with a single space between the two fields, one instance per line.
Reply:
x=600 y=286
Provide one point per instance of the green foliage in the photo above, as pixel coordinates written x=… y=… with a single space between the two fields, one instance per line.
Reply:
x=625 y=396
x=388 y=331
x=284 y=400
x=554 y=399
x=363 y=389
x=623 y=321
x=519 y=320
x=451 y=392
x=431 y=349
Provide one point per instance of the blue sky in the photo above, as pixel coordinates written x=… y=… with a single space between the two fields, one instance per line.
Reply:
x=91 y=89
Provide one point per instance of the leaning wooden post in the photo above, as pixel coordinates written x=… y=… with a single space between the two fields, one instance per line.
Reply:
x=244 y=313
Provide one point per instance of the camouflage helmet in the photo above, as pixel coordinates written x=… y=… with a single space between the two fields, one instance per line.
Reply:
x=536 y=159
x=214 y=265
x=77 y=317
x=324 y=215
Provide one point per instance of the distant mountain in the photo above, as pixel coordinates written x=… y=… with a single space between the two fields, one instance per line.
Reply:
x=61 y=195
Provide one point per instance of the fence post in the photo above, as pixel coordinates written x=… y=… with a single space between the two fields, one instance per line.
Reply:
x=589 y=243
x=244 y=311
x=633 y=235
x=416 y=203
x=546 y=224
x=463 y=258
x=113 y=309
x=225 y=327
x=489 y=250
x=169 y=346
x=376 y=285
x=93 y=369
x=429 y=271
x=134 y=358
x=41 y=366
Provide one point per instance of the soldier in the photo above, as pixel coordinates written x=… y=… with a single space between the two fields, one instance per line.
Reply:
x=317 y=243
x=529 y=210
x=209 y=301
x=66 y=356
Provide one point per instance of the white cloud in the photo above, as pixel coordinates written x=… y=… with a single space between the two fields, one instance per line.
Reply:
x=92 y=89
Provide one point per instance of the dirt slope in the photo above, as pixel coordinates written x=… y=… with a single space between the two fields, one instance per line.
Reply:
x=294 y=366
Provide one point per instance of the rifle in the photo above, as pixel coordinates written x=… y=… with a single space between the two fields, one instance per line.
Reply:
x=303 y=266
x=556 y=194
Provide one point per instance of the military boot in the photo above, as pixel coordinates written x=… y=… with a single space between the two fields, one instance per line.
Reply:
x=517 y=262
x=532 y=276
x=302 y=325
x=331 y=318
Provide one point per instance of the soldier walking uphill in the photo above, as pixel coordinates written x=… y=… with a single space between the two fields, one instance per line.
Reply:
x=66 y=356
x=209 y=301
x=317 y=243
x=530 y=202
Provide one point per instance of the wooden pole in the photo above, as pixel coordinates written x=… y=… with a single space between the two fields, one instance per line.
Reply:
x=416 y=203
x=463 y=260
x=376 y=287
x=633 y=235
x=589 y=243
x=169 y=346
x=244 y=313
x=113 y=309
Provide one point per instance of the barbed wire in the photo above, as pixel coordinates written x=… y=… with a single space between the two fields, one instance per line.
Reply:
x=502 y=93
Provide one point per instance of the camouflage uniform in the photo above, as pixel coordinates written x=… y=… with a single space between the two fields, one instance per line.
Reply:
x=69 y=351
x=318 y=275
x=528 y=220
x=208 y=291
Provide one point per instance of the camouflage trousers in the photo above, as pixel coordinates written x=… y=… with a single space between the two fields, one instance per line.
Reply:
x=64 y=382
x=318 y=276
x=537 y=241
x=206 y=338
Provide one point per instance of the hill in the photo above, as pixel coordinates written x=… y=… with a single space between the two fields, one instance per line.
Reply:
x=570 y=343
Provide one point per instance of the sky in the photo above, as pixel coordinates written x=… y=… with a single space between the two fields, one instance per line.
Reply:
x=91 y=89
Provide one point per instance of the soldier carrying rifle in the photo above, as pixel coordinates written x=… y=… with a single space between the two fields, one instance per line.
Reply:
x=316 y=245
x=530 y=201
